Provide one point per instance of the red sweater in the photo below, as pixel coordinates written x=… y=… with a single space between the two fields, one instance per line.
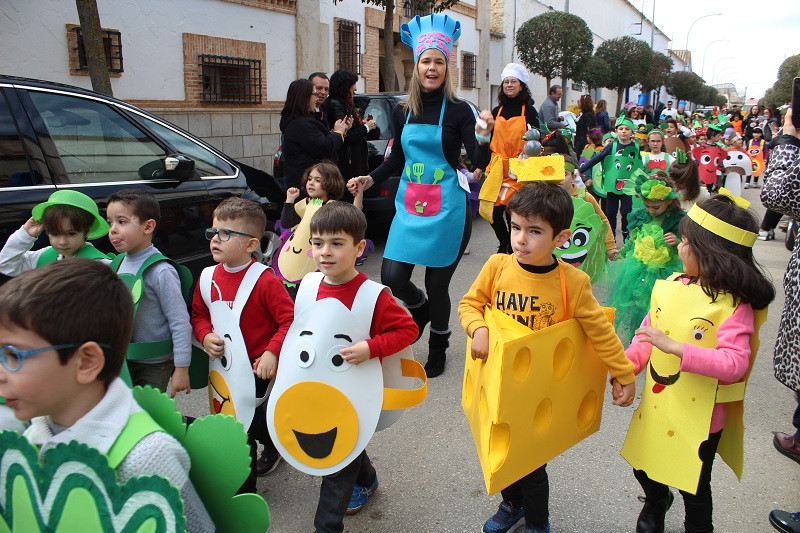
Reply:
x=266 y=316
x=392 y=327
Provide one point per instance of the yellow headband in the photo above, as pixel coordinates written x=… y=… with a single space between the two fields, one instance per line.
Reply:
x=722 y=228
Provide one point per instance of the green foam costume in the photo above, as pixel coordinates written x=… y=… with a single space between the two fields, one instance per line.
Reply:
x=586 y=248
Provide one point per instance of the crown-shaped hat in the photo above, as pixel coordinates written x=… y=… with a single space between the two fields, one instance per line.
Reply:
x=433 y=31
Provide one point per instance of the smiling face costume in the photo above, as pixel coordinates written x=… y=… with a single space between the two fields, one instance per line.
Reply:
x=293 y=261
x=323 y=411
x=619 y=167
x=736 y=165
x=585 y=249
x=709 y=159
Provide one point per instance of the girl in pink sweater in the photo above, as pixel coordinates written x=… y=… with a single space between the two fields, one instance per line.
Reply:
x=697 y=343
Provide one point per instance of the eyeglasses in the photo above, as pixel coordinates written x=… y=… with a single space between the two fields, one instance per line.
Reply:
x=225 y=234
x=12 y=357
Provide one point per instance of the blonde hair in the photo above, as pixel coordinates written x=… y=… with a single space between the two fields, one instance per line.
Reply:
x=413 y=104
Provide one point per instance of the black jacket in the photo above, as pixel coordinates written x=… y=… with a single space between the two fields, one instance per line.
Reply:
x=353 y=154
x=306 y=141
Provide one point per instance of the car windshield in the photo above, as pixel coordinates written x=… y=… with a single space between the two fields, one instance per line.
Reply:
x=380 y=110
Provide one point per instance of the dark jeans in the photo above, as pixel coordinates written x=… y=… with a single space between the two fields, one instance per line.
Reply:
x=397 y=276
x=796 y=417
x=258 y=432
x=618 y=203
x=533 y=493
x=770 y=220
x=336 y=490
x=698 y=507
x=501 y=222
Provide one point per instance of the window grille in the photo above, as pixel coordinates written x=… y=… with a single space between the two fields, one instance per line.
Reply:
x=349 y=45
x=112 y=42
x=230 y=80
x=468 y=71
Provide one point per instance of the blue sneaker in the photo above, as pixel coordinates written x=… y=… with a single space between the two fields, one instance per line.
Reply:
x=504 y=519
x=360 y=496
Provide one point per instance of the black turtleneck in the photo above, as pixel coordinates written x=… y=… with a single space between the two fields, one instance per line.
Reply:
x=513 y=108
x=533 y=269
x=458 y=127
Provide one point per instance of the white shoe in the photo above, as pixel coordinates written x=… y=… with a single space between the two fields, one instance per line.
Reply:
x=762 y=235
x=746 y=185
x=756 y=185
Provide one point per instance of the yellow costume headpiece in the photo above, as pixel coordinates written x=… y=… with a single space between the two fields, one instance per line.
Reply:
x=722 y=228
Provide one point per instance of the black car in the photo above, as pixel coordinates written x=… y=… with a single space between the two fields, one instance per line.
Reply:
x=55 y=136
x=378 y=199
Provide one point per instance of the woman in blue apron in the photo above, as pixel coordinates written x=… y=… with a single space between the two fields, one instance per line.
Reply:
x=432 y=224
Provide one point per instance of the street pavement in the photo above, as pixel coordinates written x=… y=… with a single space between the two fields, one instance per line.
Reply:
x=431 y=481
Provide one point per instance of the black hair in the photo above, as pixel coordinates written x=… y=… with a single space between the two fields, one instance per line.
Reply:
x=54 y=216
x=297 y=98
x=524 y=95
x=317 y=75
x=341 y=81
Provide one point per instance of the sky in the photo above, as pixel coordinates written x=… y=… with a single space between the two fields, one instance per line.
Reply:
x=755 y=37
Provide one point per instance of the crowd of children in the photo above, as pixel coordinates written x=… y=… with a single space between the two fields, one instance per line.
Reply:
x=674 y=234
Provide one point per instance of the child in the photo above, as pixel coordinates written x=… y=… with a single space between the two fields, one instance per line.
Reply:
x=722 y=285
x=337 y=239
x=649 y=254
x=323 y=181
x=60 y=367
x=655 y=158
x=264 y=319
x=683 y=173
x=540 y=220
x=473 y=179
x=759 y=154
x=619 y=159
x=161 y=315
x=70 y=218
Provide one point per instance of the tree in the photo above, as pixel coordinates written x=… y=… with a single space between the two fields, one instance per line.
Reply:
x=595 y=73
x=656 y=74
x=781 y=92
x=387 y=61
x=89 y=19
x=685 y=85
x=628 y=59
x=554 y=44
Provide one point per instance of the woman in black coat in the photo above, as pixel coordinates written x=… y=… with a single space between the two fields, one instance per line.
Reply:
x=306 y=140
x=353 y=154
x=586 y=122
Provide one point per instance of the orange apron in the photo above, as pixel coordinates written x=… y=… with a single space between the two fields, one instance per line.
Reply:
x=507 y=142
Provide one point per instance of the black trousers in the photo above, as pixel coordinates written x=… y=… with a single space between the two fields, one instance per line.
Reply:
x=501 y=222
x=618 y=203
x=533 y=493
x=698 y=507
x=336 y=490
x=258 y=432
x=770 y=220
x=397 y=276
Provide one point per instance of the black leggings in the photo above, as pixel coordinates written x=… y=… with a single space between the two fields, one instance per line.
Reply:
x=397 y=276
x=770 y=220
x=501 y=222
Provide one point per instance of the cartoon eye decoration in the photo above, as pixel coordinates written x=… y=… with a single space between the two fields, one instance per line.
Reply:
x=581 y=237
x=740 y=157
x=305 y=354
x=566 y=245
x=705 y=159
x=618 y=165
x=225 y=359
x=337 y=363
x=716 y=161
x=628 y=167
x=699 y=333
x=728 y=158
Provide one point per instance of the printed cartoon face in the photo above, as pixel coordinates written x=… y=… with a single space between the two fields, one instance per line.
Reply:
x=585 y=249
x=621 y=166
x=708 y=160
x=295 y=260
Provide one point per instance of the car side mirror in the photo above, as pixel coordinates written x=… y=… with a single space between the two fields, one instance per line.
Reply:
x=177 y=167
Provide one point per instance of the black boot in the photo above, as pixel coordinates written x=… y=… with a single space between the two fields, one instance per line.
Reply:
x=437 y=346
x=651 y=519
x=421 y=315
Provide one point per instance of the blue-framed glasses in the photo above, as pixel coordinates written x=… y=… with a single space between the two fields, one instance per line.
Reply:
x=225 y=234
x=12 y=357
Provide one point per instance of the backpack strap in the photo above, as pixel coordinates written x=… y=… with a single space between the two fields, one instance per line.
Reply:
x=140 y=425
x=366 y=299
x=117 y=261
x=307 y=291
x=184 y=275
x=48 y=256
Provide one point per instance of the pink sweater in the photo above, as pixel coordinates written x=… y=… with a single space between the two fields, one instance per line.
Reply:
x=727 y=362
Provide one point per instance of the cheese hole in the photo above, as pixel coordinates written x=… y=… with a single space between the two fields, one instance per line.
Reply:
x=563 y=357
x=587 y=411
x=543 y=416
x=467 y=397
x=499 y=443
x=521 y=365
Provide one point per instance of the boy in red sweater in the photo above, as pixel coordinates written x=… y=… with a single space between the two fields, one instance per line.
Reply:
x=337 y=240
x=265 y=316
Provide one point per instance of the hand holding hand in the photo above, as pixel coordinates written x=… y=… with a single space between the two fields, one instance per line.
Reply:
x=291 y=194
x=480 y=343
x=213 y=345
x=612 y=254
x=365 y=182
x=622 y=394
x=180 y=381
x=660 y=340
x=266 y=366
x=33 y=228
x=357 y=353
x=671 y=239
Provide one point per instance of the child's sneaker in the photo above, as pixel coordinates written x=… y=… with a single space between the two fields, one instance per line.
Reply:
x=267 y=464
x=504 y=519
x=360 y=496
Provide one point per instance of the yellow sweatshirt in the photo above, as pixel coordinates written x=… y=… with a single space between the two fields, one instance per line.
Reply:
x=611 y=243
x=535 y=300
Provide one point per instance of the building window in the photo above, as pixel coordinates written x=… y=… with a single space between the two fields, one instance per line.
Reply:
x=230 y=80
x=349 y=45
x=112 y=42
x=468 y=71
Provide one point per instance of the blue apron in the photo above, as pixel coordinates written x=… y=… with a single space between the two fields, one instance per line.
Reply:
x=430 y=205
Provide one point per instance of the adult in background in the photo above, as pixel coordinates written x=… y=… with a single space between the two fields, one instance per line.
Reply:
x=753 y=120
x=432 y=223
x=321 y=88
x=513 y=117
x=771 y=123
x=548 y=113
x=353 y=154
x=306 y=140
x=587 y=121
x=669 y=112
x=601 y=116
x=782 y=193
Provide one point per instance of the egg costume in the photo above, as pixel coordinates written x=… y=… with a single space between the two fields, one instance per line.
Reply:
x=644 y=258
x=75 y=489
x=680 y=409
x=323 y=411
x=293 y=259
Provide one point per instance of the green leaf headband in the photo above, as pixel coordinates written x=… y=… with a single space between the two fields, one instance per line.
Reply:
x=623 y=121
x=656 y=190
x=681 y=156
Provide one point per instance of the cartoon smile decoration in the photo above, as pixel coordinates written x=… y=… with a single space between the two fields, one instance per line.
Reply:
x=294 y=259
x=585 y=249
x=323 y=411
x=708 y=162
x=673 y=418
x=736 y=165
x=620 y=167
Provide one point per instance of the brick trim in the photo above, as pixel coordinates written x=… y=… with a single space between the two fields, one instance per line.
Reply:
x=464 y=9
x=72 y=52
x=283 y=6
